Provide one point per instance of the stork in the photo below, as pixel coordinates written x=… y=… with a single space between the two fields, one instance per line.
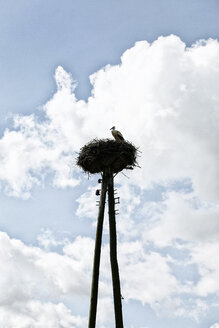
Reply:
x=116 y=134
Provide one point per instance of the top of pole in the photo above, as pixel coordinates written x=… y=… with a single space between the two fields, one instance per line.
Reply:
x=99 y=154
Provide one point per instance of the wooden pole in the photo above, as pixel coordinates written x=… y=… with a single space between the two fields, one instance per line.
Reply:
x=113 y=252
x=97 y=252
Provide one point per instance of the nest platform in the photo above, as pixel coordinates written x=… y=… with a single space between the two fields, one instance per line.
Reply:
x=99 y=154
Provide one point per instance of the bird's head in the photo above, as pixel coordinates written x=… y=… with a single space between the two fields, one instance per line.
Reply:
x=113 y=128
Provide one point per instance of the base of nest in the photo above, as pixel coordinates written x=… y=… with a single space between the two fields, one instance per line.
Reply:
x=100 y=154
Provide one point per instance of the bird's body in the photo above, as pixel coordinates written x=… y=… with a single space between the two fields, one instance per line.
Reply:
x=116 y=134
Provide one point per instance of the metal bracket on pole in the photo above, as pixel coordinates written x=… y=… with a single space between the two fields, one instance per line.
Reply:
x=117 y=200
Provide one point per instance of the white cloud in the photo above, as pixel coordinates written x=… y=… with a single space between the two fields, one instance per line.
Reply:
x=146 y=276
x=105 y=311
x=164 y=98
x=184 y=224
x=216 y=325
x=47 y=240
x=33 y=281
x=28 y=271
x=38 y=315
x=35 y=284
x=30 y=153
x=87 y=202
x=182 y=216
x=158 y=89
x=205 y=256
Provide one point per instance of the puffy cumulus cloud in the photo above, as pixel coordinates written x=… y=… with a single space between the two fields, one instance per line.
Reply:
x=25 y=267
x=176 y=216
x=216 y=325
x=38 y=287
x=159 y=96
x=86 y=202
x=163 y=96
x=148 y=277
x=188 y=308
x=35 y=149
x=38 y=315
x=143 y=273
x=48 y=241
x=105 y=311
x=32 y=280
x=146 y=272
x=181 y=216
x=205 y=256
x=178 y=224
x=183 y=224
x=31 y=152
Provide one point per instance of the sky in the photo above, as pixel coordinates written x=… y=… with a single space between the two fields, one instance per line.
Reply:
x=71 y=70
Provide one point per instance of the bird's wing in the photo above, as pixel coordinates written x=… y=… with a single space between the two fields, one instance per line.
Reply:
x=120 y=136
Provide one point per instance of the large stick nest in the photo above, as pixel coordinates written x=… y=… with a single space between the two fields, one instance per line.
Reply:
x=99 y=154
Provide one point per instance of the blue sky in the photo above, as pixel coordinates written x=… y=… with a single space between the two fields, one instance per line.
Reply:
x=69 y=71
x=82 y=36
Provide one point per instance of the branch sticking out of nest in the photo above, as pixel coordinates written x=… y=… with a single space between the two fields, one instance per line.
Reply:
x=99 y=154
